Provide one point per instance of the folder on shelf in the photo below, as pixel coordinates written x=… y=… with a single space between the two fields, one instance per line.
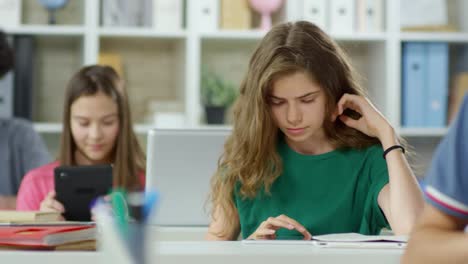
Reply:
x=414 y=15
x=235 y=14
x=10 y=13
x=125 y=13
x=167 y=15
x=207 y=15
x=24 y=69
x=316 y=12
x=413 y=84
x=437 y=84
x=370 y=15
x=341 y=16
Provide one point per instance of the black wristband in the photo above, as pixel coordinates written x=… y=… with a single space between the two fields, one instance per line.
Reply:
x=392 y=148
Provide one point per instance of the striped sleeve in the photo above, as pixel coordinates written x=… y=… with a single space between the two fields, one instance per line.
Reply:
x=447 y=178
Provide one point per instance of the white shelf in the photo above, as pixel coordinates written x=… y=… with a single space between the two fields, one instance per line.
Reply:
x=423 y=132
x=140 y=32
x=143 y=128
x=234 y=35
x=54 y=128
x=258 y=35
x=361 y=37
x=47 y=30
x=48 y=127
x=452 y=37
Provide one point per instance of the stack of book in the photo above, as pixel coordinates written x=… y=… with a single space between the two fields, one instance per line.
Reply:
x=44 y=231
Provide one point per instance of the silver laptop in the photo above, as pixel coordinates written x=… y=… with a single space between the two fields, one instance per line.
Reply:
x=180 y=164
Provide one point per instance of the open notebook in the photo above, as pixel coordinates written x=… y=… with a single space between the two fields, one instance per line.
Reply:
x=344 y=240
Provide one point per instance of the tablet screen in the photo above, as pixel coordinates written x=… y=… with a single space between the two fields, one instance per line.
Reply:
x=76 y=188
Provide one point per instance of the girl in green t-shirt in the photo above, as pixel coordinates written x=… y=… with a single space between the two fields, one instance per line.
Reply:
x=306 y=155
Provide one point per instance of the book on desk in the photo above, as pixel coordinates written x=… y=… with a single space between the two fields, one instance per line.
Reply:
x=48 y=236
x=11 y=216
x=343 y=240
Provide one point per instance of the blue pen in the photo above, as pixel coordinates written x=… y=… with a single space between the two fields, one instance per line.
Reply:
x=151 y=199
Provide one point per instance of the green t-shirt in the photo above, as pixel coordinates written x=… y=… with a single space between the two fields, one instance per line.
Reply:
x=335 y=192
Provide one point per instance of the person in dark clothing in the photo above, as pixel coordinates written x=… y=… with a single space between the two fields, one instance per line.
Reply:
x=21 y=148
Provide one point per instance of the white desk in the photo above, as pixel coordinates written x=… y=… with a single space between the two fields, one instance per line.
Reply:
x=199 y=252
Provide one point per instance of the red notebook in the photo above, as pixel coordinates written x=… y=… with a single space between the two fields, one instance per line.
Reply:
x=45 y=236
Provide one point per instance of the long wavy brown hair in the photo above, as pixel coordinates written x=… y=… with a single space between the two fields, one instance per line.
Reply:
x=250 y=156
x=128 y=157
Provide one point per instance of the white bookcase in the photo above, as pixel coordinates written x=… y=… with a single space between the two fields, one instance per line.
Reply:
x=167 y=65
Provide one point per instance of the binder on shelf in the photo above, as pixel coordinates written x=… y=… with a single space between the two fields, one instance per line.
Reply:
x=24 y=76
x=370 y=15
x=341 y=16
x=235 y=15
x=316 y=11
x=123 y=13
x=437 y=84
x=113 y=13
x=413 y=78
x=147 y=13
x=10 y=13
x=293 y=10
x=207 y=14
x=414 y=15
x=167 y=15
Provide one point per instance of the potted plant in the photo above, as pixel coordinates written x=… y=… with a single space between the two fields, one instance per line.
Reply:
x=217 y=95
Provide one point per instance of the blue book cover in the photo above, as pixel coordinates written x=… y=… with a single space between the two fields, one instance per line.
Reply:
x=437 y=84
x=413 y=84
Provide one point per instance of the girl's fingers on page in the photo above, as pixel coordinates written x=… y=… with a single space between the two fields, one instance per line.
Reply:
x=264 y=233
x=300 y=228
x=57 y=206
x=278 y=223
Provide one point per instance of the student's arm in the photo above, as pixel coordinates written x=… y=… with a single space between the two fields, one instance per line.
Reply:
x=401 y=200
x=217 y=229
x=437 y=238
x=7 y=202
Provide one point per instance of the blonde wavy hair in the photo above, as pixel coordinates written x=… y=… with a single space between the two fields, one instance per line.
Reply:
x=250 y=156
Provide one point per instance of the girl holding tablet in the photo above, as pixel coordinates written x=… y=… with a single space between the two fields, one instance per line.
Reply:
x=97 y=129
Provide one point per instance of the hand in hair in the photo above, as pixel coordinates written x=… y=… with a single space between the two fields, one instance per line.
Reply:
x=268 y=228
x=50 y=204
x=371 y=122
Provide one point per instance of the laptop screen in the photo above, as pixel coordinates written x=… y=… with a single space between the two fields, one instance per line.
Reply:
x=180 y=164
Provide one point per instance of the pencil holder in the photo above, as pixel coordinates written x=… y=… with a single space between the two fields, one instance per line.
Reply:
x=121 y=242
